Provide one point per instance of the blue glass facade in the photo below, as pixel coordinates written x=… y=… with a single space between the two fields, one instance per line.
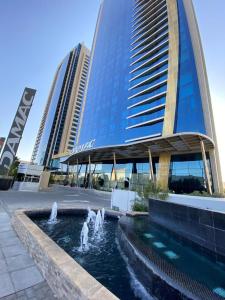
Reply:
x=128 y=83
x=189 y=114
x=149 y=68
x=106 y=105
x=126 y=95
x=187 y=173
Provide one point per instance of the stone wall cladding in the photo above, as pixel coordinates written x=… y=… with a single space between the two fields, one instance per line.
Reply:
x=67 y=279
x=203 y=229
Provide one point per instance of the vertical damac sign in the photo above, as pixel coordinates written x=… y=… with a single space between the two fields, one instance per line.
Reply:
x=16 y=131
x=2 y=141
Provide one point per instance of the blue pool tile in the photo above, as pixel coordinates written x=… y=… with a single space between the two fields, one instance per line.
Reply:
x=159 y=245
x=148 y=235
x=171 y=254
x=219 y=291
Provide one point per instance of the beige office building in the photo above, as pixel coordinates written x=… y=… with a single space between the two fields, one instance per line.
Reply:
x=58 y=129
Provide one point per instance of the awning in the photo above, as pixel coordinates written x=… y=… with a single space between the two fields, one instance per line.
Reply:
x=179 y=143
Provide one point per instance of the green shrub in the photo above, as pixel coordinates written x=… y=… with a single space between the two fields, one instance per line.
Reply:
x=14 y=167
x=72 y=183
x=196 y=193
x=153 y=190
x=205 y=194
x=140 y=206
x=65 y=182
x=218 y=195
x=51 y=179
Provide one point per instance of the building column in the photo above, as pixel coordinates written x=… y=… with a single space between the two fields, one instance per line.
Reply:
x=171 y=96
x=77 y=174
x=163 y=171
x=173 y=68
x=151 y=173
x=68 y=172
x=114 y=165
x=85 y=175
x=90 y=179
x=206 y=168
x=216 y=171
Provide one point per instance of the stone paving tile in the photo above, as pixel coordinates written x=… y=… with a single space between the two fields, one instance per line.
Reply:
x=4 y=219
x=25 y=278
x=3 y=266
x=10 y=297
x=3 y=215
x=13 y=250
x=19 y=277
x=40 y=291
x=8 y=234
x=5 y=227
x=19 y=262
x=8 y=241
x=6 y=286
x=1 y=254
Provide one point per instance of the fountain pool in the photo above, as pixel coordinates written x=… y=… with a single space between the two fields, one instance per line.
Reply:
x=102 y=258
x=168 y=269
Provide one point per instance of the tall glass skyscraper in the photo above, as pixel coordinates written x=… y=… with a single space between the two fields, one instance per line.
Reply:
x=59 y=125
x=148 y=97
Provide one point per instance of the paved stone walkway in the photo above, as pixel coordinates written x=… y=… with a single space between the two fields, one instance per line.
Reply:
x=39 y=291
x=19 y=277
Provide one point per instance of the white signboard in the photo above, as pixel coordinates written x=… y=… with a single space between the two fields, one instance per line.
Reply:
x=33 y=170
x=122 y=200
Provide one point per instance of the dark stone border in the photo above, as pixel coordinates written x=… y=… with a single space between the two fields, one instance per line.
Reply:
x=203 y=229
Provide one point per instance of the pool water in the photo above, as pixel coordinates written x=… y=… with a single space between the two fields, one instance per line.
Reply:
x=103 y=260
x=201 y=268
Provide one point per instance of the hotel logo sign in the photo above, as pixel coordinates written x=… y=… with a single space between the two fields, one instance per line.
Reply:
x=16 y=131
x=84 y=147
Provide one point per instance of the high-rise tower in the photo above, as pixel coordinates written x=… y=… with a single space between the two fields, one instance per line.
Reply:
x=148 y=97
x=58 y=129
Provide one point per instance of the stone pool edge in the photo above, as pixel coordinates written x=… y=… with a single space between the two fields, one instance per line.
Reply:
x=65 y=276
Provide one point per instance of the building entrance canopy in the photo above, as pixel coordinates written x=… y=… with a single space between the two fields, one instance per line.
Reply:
x=173 y=144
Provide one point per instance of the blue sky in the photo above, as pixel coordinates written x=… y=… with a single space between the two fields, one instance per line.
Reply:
x=35 y=35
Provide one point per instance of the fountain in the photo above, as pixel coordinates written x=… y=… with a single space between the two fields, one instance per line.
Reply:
x=91 y=216
x=84 y=237
x=98 y=223
x=103 y=215
x=53 y=216
x=93 y=246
